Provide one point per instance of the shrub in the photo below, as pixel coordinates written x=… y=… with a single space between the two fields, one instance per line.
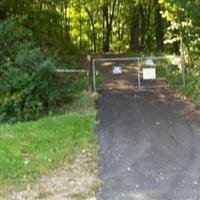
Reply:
x=26 y=86
x=26 y=76
x=161 y=71
x=192 y=87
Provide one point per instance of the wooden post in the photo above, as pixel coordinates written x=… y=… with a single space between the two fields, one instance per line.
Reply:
x=183 y=62
x=139 y=78
x=90 y=74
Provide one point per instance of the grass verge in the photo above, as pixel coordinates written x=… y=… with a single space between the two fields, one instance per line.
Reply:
x=33 y=149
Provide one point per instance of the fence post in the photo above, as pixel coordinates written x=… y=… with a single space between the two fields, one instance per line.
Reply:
x=183 y=62
x=139 y=78
x=90 y=73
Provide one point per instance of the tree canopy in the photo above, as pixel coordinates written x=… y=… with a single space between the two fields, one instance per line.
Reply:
x=109 y=25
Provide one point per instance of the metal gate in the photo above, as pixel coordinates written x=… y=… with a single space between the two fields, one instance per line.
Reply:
x=143 y=72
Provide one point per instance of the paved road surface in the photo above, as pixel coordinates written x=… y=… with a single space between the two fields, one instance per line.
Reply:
x=149 y=146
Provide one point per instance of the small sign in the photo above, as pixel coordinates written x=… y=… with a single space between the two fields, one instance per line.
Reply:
x=149 y=62
x=149 y=73
x=117 y=70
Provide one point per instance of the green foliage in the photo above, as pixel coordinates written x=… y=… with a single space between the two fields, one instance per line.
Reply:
x=196 y=96
x=84 y=25
x=192 y=88
x=170 y=72
x=28 y=86
x=79 y=84
x=161 y=71
x=90 y=26
x=174 y=78
x=26 y=74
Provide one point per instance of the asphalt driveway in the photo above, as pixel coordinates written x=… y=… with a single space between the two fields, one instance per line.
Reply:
x=149 y=146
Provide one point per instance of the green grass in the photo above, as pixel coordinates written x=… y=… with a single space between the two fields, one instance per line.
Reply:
x=31 y=149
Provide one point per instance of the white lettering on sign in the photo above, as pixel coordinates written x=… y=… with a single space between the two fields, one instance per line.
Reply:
x=149 y=62
x=117 y=70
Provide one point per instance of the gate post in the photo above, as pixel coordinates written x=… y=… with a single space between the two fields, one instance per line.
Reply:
x=183 y=62
x=139 y=78
x=90 y=74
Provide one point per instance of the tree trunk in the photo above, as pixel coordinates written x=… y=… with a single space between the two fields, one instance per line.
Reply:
x=90 y=75
x=158 y=27
x=93 y=28
x=108 y=24
x=106 y=44
x=2 y=15
x=134 y=29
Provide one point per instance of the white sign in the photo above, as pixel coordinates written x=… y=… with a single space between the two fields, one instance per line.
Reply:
x=149 y=73
x=149 y=62
x=117 y=70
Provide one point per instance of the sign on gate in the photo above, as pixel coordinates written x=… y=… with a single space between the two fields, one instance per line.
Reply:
x=117 y=70
x=149 y=71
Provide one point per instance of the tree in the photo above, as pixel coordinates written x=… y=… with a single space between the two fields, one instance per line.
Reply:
x=135 y=26
x=159 y=32
x=108 y=9
x=107 y=25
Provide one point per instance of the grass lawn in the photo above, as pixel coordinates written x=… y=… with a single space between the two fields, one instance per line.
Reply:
x=31 y=149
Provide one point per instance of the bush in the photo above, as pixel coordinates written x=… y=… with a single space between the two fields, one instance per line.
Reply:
x=27 y=82
x=161 y=71
x=171 y=73
x=196 y=97
x=26 y=85
x=192 y=87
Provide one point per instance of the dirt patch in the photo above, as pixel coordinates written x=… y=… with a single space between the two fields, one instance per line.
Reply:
x=74 y=181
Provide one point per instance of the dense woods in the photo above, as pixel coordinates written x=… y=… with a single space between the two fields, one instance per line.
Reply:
x=45 y=33
x=108 y=25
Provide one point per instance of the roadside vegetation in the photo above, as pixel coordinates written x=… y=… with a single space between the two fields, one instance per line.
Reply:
x=33 y=149
x=47 y=119
x=174 y=78
x=191 y=90
x=29 y=86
